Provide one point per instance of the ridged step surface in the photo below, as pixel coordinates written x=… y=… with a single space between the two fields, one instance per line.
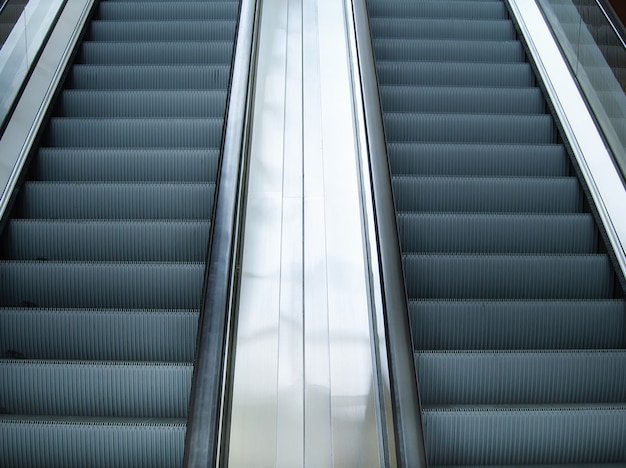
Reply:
x=517 y=316
x=102 y=262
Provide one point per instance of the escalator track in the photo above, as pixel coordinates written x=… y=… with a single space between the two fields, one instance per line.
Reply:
x=102 y=259
x=517 y=313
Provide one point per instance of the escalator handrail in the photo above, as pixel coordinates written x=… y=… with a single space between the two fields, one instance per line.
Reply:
x=409 y=436
x=613 y=20
x=206 y=440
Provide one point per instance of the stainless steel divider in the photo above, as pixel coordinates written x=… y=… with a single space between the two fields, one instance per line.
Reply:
x=206 y=443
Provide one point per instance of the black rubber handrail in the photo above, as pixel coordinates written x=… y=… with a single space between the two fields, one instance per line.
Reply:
x=614 y=20
x=406 y=405
x=206 y=442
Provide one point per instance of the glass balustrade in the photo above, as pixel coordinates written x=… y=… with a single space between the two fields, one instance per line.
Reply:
x=25 y=25
x=597 y=57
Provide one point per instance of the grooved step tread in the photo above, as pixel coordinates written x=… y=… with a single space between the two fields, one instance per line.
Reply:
x=106 y=240
x=534 y=324
x=141 y=390
x=478 y=159
x=158 y=335
x=149 y=76
x=125 y=165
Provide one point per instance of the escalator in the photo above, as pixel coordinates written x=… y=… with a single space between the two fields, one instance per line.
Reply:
x=517 y=313
x=102 y=259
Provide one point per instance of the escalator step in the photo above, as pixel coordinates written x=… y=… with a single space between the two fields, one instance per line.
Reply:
x=469 y=128
x=189 y=30
x=149 y=77
x=531 y=324
x=99 y=334
x=416 y=28
x=454 y=74
x=101 y=285
x=497 y=233
x=74 y=442
x=478 y=159
x=155 y=53
x=440 y=10
x=487 y=194
x=592 y=434
x=516 y=378
x=168 y=11
x=136 y=390
x=508 y=276
x=449 y=51
x=439 y=99
x=106 y=240
x=146 y=133
x=96 y=200
x=125 y=165
x=195 y=104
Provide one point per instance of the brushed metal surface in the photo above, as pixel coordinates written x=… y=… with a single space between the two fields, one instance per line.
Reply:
x=267 y=415
x=305 y=389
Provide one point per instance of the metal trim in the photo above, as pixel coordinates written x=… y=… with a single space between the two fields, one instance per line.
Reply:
x=206 y=441
x=409 y=436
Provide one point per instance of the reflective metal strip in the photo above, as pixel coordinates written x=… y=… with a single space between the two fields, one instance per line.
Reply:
x=304 y=384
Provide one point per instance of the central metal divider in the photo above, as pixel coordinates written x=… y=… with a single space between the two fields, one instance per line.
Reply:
x=306 y=375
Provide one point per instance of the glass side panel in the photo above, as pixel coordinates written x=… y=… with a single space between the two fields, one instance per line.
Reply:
x=597 y=57
x=26 y=25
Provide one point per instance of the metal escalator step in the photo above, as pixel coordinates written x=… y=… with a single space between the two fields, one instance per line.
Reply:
x=525 y=436
x=94 y=442
x=155 y=53
x=102 y=389
x=98 y=334
x=443 y=9
x=145 y=133
x=439 y=99
x=101 y=285
x=125 y=165
x=106 y=240
x=132 y=104
x=454 y=74
x=497 y=233
x=521 y=377
x=149 y=77
x=172 y=11
x=449 y=159
x=150 y=201
x=539 y=465
x=534 y=324
x=138 y=31
x=487 y=194
x=425 y=50
x=417 y=28
x=468 y=128
x=508 y=276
